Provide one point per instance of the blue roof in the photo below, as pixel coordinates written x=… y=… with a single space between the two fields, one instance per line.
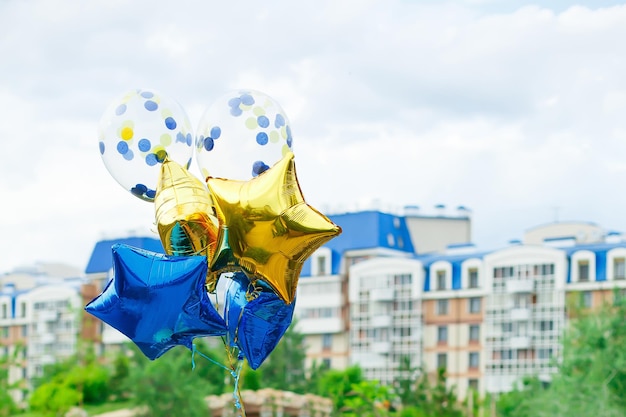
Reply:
x=599 y=250
x=102 y=258
x=365 y=230
x=455 y=261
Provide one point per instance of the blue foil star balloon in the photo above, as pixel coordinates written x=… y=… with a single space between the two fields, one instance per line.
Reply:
x=256 y=318
x=157 y=301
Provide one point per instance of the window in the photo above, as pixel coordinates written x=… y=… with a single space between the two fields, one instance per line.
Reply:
x=472 y=384
x=441 y=308
x=326 y=363
x=619 y=268
x=321 y=265
x=474 y=333
x=507 y=327
x=474 y=305
x=327 y=341
x=473 y=360
x=546 y=325
x=583 y=271
x=506 y=354
x=4 y=332
x=4 y=311
x=441 y=280
x=442 y=334
x=24 y=331
x=544 y=353
x=442 y=361
x=473 y=278
x=23 y=309
x=585 y=299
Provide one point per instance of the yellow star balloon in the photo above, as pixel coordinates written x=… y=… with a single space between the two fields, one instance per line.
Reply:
x=184 y=218
x=266 y=227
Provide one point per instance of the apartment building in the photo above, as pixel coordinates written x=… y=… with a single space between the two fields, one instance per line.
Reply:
x=39 y=323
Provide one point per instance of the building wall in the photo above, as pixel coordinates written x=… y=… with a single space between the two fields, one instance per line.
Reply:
x=435 y=233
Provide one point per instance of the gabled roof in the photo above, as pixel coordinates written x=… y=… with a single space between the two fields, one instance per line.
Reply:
x=101 y=259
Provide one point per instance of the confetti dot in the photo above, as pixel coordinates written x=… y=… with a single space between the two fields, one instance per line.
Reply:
x=139 y=190
x=216 y=132
x=283 y=132
x=251 y=123
x=120 y=110
x=180 y=137
x=170 y=123
x=258 y=111
x=102 y=148
x=151 y=105
x=122 y=147
x=274 y=136
x=208 y=144
x=151 y=194
x=161 y=154
x=259 y=167
x=235 y=111
x=151 y=159
x=165 y=139
x=129 y=155
x=144 y=145
x=261 y=138
x=189 y=139
x=147 y=94
x=127 y=133
x=279 y=121
x=234 y=102
x=247 y=99
x=263 y=121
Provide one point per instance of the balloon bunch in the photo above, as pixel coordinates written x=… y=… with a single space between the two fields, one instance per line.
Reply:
x=250 y=225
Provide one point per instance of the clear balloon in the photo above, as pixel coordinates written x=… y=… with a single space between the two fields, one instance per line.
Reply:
x=242 y=134
x=136 y=134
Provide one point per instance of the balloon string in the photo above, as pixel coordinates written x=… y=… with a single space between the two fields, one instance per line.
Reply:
x=234 y=372
x=195 y=350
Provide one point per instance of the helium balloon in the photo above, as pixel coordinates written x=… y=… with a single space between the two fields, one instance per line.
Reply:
x=137 y=132
x=184 y=214
x=245 y=126
x=256 y=319
x=266 y=228
x=157 y=301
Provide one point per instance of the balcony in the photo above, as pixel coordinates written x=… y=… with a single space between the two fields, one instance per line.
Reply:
x=520 y=314
x=520 y=342
x=516 y=286
x=47 y=316
x=381 y=321
x=381 y=347
x=382 y=294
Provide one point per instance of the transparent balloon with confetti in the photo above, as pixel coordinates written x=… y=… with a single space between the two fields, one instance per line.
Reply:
x=137 y=133
x=241 y=135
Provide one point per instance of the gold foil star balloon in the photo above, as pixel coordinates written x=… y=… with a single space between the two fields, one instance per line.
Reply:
x=266 y=227
x=184 y=216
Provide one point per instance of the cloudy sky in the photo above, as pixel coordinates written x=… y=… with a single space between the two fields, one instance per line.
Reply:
x=512 y=109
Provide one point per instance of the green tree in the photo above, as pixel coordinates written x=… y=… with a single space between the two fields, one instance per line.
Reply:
x=168 y=386
x=336 y=385
x=591 y=377
x=7 y=405
x=368 y=399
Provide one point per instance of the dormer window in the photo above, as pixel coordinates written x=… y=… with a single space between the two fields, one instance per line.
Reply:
x=583 y=271
x=473 y=277
x=441 y=280
x=619 y=268
x=321 y=262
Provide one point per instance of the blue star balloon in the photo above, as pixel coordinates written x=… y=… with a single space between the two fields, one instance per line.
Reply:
x=256 y=318
x=157 y=301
